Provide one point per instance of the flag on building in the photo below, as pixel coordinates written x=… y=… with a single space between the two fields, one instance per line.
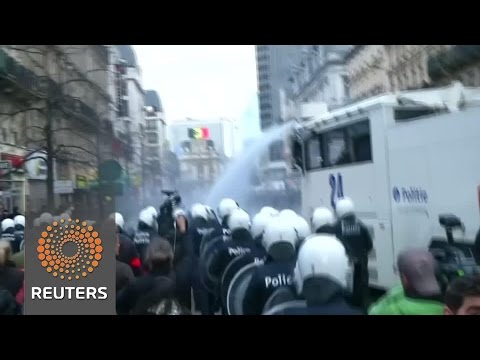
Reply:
x=198 y=133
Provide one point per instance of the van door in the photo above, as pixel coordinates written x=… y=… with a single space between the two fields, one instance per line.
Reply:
x=409 y=194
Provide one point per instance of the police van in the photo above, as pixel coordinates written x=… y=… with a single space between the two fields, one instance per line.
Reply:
x=404 y=159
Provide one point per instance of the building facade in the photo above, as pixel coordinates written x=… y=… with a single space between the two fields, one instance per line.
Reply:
x=155 y=133
x=375 y=69
x=55 y=105
x=200 y=167
x=273 y=65
x=320 y=75
x=131 y=115
x=223 y=134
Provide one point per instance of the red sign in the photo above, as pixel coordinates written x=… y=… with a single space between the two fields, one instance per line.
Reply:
x=17 y=161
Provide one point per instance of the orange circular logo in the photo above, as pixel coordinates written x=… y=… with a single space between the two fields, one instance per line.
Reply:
x=69 y=250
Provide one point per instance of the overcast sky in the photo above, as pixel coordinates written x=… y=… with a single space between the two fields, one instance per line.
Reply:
x=200 y=81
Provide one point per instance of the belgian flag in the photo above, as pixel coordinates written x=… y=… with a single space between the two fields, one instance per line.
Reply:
x=198 y=133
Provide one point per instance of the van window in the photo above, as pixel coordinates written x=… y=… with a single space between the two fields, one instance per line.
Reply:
x=336 y=147
x=313 y=153
x=340 y=146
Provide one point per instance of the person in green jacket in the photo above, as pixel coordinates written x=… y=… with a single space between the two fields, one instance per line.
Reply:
x=419 y=293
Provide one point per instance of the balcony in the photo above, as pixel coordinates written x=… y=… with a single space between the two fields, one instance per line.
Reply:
x=28 y=84
x=452 y=60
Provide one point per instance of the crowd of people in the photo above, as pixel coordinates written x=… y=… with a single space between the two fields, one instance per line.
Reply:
x=294 y=266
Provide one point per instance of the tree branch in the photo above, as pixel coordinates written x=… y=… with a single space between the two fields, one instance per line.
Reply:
x=74 y=147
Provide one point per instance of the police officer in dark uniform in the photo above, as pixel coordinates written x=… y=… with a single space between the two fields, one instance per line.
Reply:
x=240 y=244
x=8 y=233
x=173 y=226
x=145 y=232
x=279 y=240
x=203 y=223
x=19 y=221
x=127 y=252
x=357 y=241
x=320 y=278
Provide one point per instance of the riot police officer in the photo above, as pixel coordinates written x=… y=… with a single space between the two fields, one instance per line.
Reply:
x=145 y=232
x=357 y=241
x=127 y=252
x=8 y=233
x=279 y=240
x=320 y=277
x=203 y=223
x=19 y=233
x=240 y=243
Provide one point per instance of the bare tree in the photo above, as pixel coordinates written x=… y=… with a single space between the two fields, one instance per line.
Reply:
x=58 y=91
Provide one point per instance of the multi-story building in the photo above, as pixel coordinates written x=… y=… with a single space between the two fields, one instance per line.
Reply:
x=155 y=131
x=200 y=166
x=55 y=105
x=273 y=65
x=367 y=68
x=222 y=134
x=375 y=69
x=130 y=114
x=320 y=75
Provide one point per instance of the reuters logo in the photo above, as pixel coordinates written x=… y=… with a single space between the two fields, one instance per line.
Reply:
x=69 y=250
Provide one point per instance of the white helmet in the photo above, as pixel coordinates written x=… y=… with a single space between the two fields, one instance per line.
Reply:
x=46 y=218
x=199 y=210
x=287 y=213
x=7 y=223
x=119 y=221
x=278 y=231
x=151 y=210
x=344 y=206
x=239 y=219
x=322 y=216
x=36 y=222
x=226 y=207
x=19 y=220
x=147 y=217
x=321 y=255
x=302 y=228
x=259 y=223
x=269 y=210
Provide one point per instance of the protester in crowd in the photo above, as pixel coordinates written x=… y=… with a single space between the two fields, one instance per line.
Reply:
x=463 y=296
x=8 y=306
x=419 y=292
x=159 y=263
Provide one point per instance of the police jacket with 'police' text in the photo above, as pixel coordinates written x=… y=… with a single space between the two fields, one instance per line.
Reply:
x=265 y=280
x=354 y=235
x=240 y=244
x=201 y=228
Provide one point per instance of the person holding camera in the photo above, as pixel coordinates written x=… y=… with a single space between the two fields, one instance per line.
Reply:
x=173 y=226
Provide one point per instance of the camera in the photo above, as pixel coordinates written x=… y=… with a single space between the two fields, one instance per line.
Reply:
x=165 y=220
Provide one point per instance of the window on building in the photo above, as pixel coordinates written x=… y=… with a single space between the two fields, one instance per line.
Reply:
x=265 y=106
x=265 y=87
x=266 y=115
x=15 y=137
x=4 y=135
x=152 y=138
x=152 y=125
